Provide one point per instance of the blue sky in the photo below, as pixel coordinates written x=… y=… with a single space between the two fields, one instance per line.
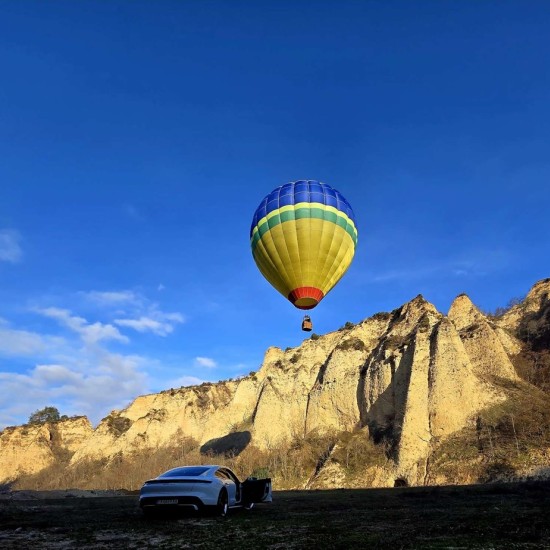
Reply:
x=138 y=138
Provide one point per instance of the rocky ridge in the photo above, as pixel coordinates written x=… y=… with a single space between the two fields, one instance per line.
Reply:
x=412 y=377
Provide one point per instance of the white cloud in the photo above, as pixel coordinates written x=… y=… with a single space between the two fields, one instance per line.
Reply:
x=135 y=311
x=84 y=387
x=160 y=324
x=146 y=324
x=206 y=362
x=110 y=298
x=24 y=343
x=78 y=373
x=56 y=374
x=91 y=333
x=10 y=249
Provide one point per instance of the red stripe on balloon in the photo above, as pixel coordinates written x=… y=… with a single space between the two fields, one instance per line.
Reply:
x=306 y=292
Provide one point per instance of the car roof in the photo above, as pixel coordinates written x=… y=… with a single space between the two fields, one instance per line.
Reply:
x=207 y=469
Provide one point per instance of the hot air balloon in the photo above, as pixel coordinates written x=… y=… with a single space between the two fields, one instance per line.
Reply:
x=303 y=237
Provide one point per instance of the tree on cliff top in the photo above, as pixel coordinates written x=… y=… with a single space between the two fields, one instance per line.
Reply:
x=47 y=414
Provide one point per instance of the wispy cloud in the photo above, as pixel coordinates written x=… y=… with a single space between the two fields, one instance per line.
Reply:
x=206 y=362
x=476 y=263
x=58 y=375
x=77 y=379
x=80 y=387
x=111 y=298
x=146 y=324
x=71 y=363
x=161 y=325
x=136 y=312
x=408 y=274
x=91 y=333
x=10 y=248
x=23 y=343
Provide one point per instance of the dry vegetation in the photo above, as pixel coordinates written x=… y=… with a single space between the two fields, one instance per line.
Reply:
x=512 y=439
x=505 y=442
x=290 y=465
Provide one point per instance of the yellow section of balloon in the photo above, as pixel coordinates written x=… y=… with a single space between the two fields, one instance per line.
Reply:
x=305 y=252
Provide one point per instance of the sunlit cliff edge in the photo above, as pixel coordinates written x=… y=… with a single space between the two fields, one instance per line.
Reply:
x=413 y=381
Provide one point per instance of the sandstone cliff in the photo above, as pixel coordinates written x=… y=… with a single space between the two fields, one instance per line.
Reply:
x=410 y=378
x=31 y=448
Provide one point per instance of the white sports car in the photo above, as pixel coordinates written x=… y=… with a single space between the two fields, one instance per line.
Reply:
x=197 y=487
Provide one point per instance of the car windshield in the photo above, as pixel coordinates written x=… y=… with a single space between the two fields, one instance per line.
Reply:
x=187 y=471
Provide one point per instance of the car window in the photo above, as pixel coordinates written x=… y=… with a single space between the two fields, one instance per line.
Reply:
x=230 y=475
x=220 y=474
x=186 y=471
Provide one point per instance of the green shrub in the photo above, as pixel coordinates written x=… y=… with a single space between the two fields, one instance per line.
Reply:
x=352 y=344
x=153 y=414
x=381 y=316
x=117 y=424
x=47 y=414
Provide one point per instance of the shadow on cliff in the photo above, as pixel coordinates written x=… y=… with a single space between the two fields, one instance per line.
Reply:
x=231 y=444
x=534 y=327
x=385 y=416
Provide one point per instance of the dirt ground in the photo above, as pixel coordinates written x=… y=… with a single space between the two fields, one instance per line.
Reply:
x=483 y=516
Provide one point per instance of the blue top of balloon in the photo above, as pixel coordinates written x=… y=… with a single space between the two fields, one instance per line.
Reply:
x=301 y=191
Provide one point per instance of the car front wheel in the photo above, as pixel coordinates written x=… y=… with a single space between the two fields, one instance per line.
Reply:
x=223 y=504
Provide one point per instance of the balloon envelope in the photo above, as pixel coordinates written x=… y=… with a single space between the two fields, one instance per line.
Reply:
x=303 y=237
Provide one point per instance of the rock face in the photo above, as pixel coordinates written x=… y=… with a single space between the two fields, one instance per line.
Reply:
x=31 y=448
x=530 y=319
x=413 y=376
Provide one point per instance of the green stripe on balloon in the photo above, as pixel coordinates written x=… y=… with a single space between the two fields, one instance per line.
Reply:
x=303 y=213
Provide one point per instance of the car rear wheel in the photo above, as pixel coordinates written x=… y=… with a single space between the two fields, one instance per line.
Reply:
x=249 y=506
x=223 y=504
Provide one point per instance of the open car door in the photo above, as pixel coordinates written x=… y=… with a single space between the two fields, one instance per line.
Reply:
x=256 y=490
